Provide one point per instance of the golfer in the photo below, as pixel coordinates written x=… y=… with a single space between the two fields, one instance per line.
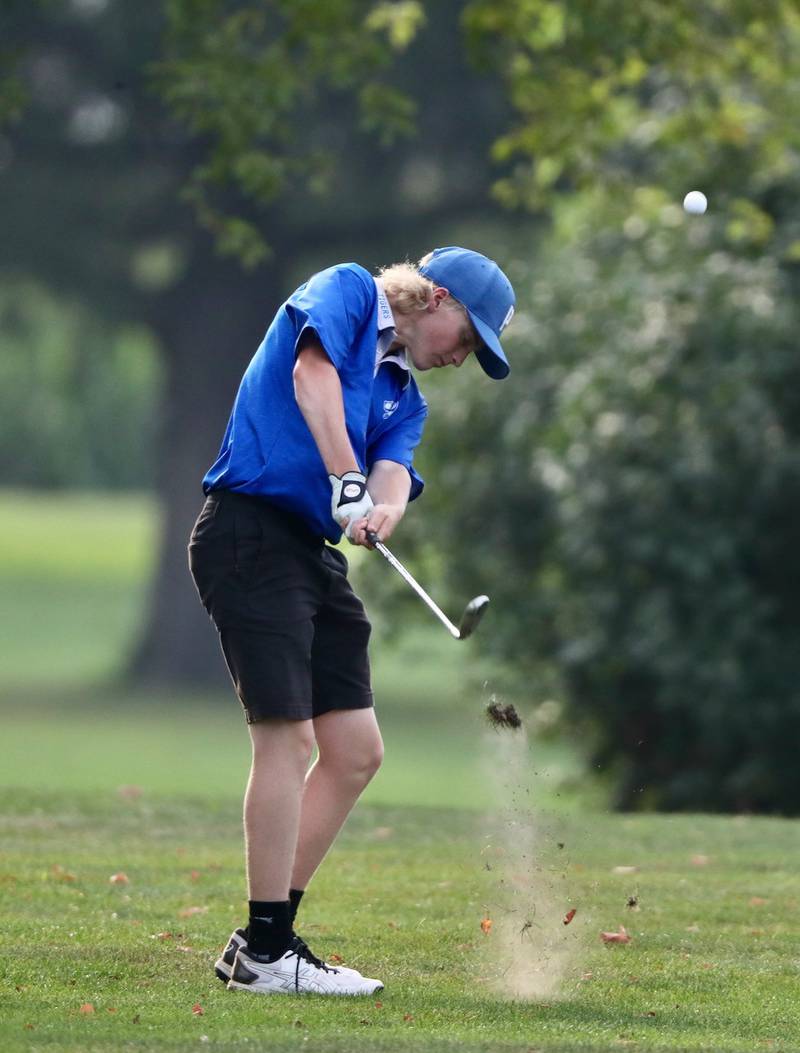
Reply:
x=320 y=441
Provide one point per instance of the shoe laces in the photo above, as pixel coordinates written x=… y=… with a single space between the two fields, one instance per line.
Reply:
x=302 y=950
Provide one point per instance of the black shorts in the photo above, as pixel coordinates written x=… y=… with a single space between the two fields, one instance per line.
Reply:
x=293 y=632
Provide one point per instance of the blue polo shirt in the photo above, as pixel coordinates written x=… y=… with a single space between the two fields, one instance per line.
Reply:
x=268 y=449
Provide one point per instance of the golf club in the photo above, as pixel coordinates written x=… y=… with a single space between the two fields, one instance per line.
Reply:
x=473 y=612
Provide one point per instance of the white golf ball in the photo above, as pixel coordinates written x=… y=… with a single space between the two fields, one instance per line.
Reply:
x=695 y=202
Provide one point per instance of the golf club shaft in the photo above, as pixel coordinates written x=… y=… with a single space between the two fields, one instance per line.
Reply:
x=401 y=570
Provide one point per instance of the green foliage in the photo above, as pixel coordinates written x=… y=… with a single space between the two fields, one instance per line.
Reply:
x=13 y=95
x=12 y=98
x=615 y=96
x=643 y=464
x=644 y=471
x=253 y=83
x=77 y=397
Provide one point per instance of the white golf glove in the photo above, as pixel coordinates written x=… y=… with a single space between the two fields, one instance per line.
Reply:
x=349 y=500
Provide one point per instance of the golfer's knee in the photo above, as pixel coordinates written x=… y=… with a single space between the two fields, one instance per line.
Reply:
x=358 y=764
x=291 y=740
x=370 y=762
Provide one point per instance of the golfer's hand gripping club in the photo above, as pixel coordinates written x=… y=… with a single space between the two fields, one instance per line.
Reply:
x=350 y=501
x=472 y=614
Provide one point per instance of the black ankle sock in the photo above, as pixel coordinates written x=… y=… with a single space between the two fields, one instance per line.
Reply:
x=269 y=932
x=295 y=895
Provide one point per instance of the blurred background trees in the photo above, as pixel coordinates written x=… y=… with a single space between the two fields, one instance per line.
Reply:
x=628 y=497
x=153 y=145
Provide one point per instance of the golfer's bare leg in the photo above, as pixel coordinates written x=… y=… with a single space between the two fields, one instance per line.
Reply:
x=281 y=754
x=350 y=752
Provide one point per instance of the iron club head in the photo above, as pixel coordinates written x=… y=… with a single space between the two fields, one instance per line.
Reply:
x=473 y=613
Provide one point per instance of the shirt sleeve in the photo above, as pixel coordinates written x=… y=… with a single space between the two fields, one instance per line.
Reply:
x=336 y=304
x=399 y=442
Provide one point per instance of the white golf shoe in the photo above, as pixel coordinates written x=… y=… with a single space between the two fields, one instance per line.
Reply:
x=298 y=971
x=223 y=966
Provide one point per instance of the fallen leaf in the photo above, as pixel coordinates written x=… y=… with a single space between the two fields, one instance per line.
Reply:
x=120 y=879
x=29 y=1027
x=337 y=959
x=129 y=793
x=570 y=915
x=700 y=861
x=692 y=928
x=183 y=947
x=161 y=936
x=111 y=1009
x=407 y=1017
x=190 y=911
x=197 y=1009
x=625 y=870
x=379 y=1005
x=195 y=875
x=87 y=1007
x=616 y=937
x=486 y=926
x=757 y=901
x=381 y=833
x=60 y=874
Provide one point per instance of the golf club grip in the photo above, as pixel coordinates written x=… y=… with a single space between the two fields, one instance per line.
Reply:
x=373 y=539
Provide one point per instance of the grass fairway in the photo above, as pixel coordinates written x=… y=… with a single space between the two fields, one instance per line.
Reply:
x=712 y=963
x=461 y=827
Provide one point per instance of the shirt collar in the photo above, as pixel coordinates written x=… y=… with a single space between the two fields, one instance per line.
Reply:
x=386 y=335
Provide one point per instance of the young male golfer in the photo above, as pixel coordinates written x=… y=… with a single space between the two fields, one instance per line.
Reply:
x=321 y=440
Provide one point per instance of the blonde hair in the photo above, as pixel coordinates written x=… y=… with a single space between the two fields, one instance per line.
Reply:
x=408 y=290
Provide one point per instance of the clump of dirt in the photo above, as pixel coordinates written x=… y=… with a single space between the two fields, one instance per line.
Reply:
x=502 y=716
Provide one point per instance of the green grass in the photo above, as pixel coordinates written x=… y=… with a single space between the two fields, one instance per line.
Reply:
x=712 y=963
x=72 y=581
x=182 y=744
x=461 y=824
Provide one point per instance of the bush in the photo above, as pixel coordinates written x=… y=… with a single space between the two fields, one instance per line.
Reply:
x=629 y=499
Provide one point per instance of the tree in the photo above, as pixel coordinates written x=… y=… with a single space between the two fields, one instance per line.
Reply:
x=256 y=96
x=647 y=452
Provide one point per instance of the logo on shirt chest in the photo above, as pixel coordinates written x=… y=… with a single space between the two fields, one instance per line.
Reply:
x=388 y=408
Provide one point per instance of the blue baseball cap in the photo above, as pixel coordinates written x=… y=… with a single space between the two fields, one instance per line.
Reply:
x=479 y=284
